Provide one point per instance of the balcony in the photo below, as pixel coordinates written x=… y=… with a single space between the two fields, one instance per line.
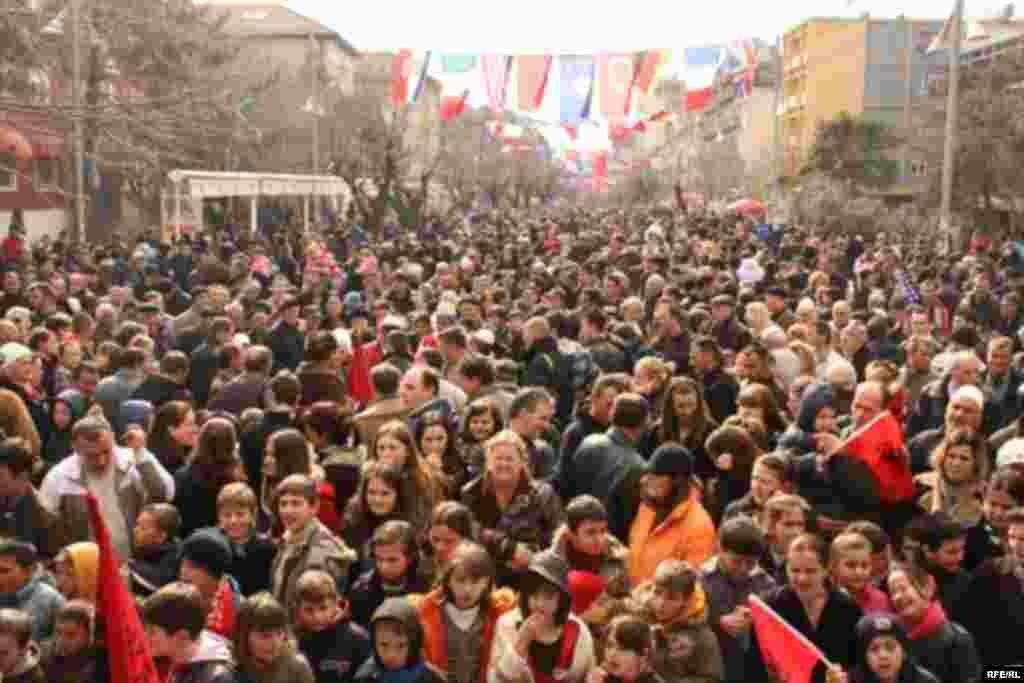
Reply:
x=796 y=62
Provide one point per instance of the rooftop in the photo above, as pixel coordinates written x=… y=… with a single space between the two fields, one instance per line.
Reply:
x=274 y=20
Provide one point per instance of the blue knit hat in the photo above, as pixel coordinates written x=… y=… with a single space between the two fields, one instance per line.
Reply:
x=136 y=412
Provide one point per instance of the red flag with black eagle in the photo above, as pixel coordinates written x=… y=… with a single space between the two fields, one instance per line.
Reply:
x=128 y=650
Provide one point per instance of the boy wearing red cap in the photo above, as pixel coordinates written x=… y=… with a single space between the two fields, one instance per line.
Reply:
x=598 y=580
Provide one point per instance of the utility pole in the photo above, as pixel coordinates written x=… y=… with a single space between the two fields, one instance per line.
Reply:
x=314 y=87
x=777 y=119
x=955 y=234
x=78 y=234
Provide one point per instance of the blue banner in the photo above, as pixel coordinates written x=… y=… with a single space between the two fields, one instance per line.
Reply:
x=577 y=87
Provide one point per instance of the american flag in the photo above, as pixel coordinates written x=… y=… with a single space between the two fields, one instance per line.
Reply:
x=911 y=294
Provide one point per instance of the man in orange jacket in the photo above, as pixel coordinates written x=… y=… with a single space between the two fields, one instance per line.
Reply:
x=671 y=522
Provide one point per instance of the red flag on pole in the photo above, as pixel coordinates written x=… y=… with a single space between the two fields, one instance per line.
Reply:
x=879 y=445
x=127 y=646
x=401 y=65
x=786 y=652
x=533 y=80
x=651 y=63
x=616 y=79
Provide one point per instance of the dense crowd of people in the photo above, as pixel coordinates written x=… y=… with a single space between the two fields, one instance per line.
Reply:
x=530 y=446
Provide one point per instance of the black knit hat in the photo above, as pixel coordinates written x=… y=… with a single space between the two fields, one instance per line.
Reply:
x=874 y=626
x=671 y=460
x=208 y=549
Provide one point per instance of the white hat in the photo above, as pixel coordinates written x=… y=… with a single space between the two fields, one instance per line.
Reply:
x=971 y=393
x=393 y=321
x=485 y=337
x=750 y=271
x=1011 y=453
x=343 y=337
x=12 y=352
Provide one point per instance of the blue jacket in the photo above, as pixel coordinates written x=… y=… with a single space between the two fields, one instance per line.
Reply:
x=41 y=601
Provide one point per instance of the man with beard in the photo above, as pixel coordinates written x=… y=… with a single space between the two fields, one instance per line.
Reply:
x=99 y=466
x=965 y=410
x=670 y=523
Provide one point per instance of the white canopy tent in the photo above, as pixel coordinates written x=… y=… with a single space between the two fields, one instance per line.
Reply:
x=198 y=185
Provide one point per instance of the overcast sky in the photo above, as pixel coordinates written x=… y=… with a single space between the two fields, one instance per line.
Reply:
x=589 y=26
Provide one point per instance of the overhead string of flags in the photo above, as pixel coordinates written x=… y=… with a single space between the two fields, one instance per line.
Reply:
x=573 y=90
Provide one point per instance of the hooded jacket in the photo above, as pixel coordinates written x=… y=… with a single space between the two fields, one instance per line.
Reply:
x=685 y=648
x=58 y=441
x=435 y=642
x=800 y=435
x=508 y=667
x=400 y=611
x=211 y=663
x=40 y=600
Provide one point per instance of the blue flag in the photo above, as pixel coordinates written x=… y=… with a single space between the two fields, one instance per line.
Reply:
x=577 y=87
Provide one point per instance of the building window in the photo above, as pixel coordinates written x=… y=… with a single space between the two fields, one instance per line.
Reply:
x=47 y=174
x=8 y=174
x=918 y=169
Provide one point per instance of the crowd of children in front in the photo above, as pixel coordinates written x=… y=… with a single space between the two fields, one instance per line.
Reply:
x=227 y=606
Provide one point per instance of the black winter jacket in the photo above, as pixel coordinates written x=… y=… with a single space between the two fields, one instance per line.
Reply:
x=336 y=653
x=992 y=608
x=597 y=465
x=949 y=653
x=833 y=635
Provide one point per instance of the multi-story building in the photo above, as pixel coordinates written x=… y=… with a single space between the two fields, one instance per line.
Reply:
x=871 y=68
x=277 y=39
x=984 y=41
x=734 y=136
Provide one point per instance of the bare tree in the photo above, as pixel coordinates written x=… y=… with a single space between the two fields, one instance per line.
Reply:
x=991 y=148
x=158 y=90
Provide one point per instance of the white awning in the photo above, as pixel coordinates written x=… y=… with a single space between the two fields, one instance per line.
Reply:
x=203 y=184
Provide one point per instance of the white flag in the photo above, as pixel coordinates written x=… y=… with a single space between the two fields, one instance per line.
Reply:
x=944 y=40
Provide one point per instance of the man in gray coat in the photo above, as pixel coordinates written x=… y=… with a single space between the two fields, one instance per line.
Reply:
x=601 y=458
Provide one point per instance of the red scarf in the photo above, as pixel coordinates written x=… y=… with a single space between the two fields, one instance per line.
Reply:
x=221 y=619
x=934 y=618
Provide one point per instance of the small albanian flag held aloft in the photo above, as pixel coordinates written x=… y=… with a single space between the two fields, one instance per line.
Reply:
x=128 y=651
x=879 y=445
x=786 y=652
